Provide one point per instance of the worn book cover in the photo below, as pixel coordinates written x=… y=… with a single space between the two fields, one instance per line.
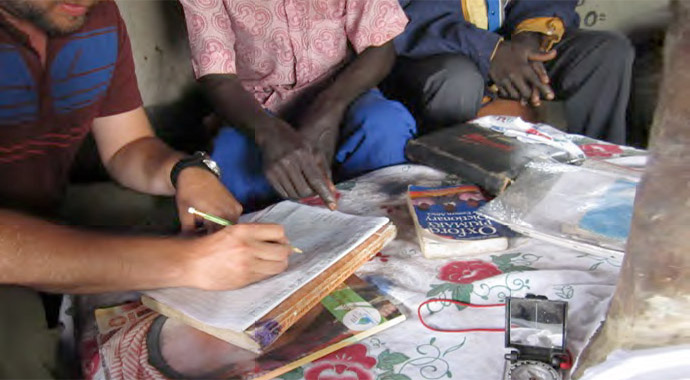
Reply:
x=135 y=340
x=334 y=245
x=483 y=156
x=448 y=225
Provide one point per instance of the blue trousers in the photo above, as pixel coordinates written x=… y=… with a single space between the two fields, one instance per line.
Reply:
x=373 y=135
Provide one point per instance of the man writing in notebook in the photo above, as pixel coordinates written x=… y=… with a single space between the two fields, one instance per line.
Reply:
x=67 y=70
x=296 y=81
x=455 y=52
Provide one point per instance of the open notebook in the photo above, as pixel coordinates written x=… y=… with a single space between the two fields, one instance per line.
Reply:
x=334 y=244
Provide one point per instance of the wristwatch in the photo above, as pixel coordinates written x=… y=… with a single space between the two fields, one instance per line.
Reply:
x=198 y=159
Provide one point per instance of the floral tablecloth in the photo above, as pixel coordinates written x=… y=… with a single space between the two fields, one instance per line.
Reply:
x=410 y=350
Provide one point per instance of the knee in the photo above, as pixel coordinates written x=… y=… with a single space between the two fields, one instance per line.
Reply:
x=231 y=147
x=454 y=93
x=462 y=76
x=461 y=69
x=241 y=167
x=387 y=122
x=615 y=50
x=374 y=136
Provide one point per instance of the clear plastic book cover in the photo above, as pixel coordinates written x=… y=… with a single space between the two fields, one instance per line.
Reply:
x=580 y=207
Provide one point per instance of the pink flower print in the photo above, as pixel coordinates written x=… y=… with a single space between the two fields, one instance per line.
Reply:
x=349 y=363
x=467 y=272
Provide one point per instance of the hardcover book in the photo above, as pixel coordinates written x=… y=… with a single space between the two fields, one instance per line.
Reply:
x=447 y=224
x=334 y=245
x=490 y=157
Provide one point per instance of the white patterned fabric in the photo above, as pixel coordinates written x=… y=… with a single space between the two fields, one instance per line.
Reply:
x=409 y=350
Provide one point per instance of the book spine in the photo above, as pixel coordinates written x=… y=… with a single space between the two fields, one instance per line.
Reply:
x=494 y=183
x=273 y=325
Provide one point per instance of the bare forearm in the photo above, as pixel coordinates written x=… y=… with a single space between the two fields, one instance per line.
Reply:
x=132 y=154
x=144 y=165
x=363 y=73
x=39 y=254
x=234 y=104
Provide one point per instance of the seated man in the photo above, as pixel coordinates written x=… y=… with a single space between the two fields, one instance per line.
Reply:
x=299 y=80
x=525 y=50
x=67 y=70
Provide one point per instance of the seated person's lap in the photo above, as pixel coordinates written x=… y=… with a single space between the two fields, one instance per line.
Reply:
x=373 y=135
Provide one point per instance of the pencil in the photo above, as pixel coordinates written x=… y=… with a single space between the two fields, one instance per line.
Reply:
x=222 y=222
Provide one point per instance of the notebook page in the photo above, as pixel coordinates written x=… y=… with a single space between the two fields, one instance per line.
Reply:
x=324 y=236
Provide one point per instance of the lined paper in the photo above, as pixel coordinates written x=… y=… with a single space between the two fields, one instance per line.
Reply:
x=325 y=237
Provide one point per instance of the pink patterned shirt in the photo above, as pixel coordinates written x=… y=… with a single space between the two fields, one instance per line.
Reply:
x=279 y=48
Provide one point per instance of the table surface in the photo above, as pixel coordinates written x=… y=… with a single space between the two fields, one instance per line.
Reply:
x=410 y=350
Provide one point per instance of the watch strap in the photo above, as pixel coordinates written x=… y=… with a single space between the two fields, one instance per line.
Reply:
x=198 y=159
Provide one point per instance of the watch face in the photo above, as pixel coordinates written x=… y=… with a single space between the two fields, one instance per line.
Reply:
x=212 y=165
x=532 y=370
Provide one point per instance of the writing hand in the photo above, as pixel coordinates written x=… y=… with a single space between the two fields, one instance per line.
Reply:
x=198 y=188
x=237 y=256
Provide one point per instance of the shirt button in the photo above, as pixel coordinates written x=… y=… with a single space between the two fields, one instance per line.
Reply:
x=493 y=12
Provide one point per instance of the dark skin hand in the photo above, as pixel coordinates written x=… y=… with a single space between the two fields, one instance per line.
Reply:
x=518 y=70
x=320 y=127
x=292 y=166
x=320 y=124
x=297 y=160
x=289 y=162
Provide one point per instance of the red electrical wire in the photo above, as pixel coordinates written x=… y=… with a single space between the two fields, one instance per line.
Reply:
x=419 y=314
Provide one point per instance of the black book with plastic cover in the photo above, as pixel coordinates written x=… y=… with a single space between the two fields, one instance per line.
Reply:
x=479 y=155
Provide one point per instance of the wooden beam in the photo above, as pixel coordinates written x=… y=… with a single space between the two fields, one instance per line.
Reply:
x=651 y=304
